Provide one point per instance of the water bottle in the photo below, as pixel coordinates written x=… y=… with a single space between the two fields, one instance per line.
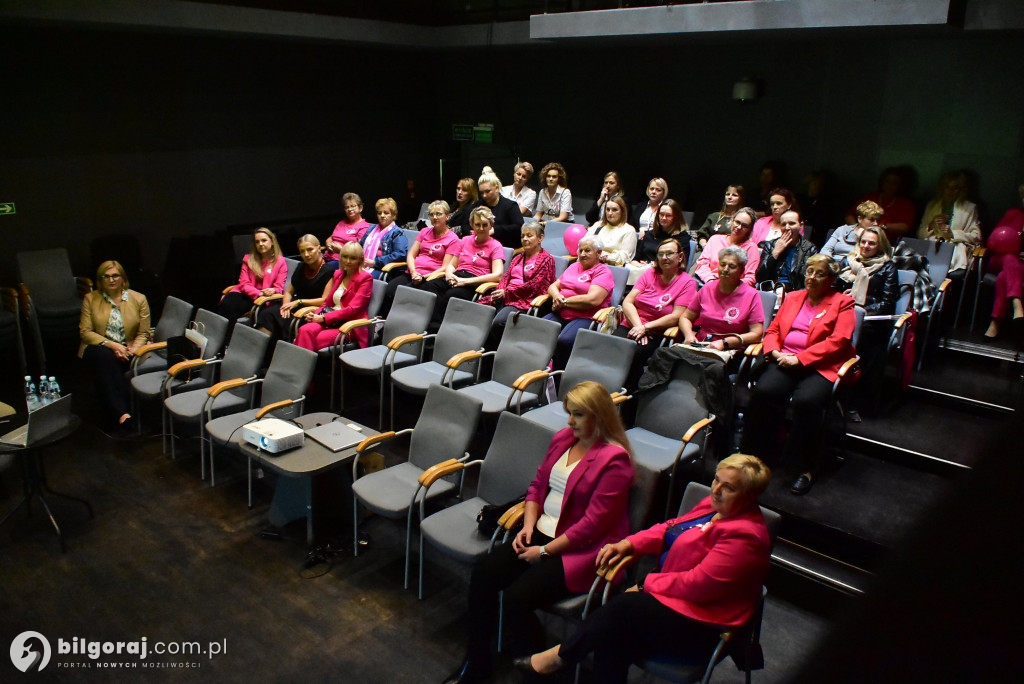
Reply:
x=31 y=399
x=44 y=391
x=54 y=388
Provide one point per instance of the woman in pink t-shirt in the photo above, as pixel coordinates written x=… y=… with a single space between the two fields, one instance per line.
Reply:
x=727 y=312
x=584 y=289
x=481 y=259
x=434 y=249
x=742 y=227
x=654 y=304
x=349 y=229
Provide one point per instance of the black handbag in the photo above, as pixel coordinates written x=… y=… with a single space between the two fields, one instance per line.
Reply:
x=487 y=518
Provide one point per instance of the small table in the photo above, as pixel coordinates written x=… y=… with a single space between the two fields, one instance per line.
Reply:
x=294 y=494
x=33 y=474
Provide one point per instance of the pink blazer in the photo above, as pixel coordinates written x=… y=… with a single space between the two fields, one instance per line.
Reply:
x=275 y=276
x=829 y=338
x=353 y=303
x=712 y=575
x=595 y=509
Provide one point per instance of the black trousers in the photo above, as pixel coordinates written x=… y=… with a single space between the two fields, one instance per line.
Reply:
x=527 y=587
x=269 y=317
x=395 y=280
x=633 y=626
x=444 y=292
x=108 y=372
x=642 y=353
x=233 y=306
x=810 y=394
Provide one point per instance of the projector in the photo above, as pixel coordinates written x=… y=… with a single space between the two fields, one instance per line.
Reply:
x=273 y=435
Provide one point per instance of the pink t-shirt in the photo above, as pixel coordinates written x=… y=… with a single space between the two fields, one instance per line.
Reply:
x=433 y=250
x=477 y=259
x=719 y=314
x=796 y=339
x=346 y=232
x=707 y=263
x=576 y=281
x=654 y=299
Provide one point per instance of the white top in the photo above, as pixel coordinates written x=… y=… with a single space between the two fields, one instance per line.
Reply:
x=527 y=197
x=547 y=523
x=551 y=207
x=619 y=242
x=338 y=294
x=646 y=219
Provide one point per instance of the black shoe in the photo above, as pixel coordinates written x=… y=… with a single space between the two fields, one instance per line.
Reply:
x=853 y=415
x=525 y=665
x=801 y=485
x=468 y=673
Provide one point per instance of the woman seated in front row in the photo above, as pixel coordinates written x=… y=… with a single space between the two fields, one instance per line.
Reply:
x=306 y=289
x=344 y=299
x=384 y=242
x=264 y=273
x=726 y=313
x=481 y=259
x=655 y=304
x=804 y=348
x=712 y=563
x=528 y=276
x=584 y=289
x=617 y=236
x=578 y=503
x=114 y=323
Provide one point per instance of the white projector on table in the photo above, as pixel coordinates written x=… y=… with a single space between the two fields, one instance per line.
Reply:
x=273 y=435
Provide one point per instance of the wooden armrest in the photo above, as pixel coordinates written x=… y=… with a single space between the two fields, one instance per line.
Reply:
x=484 y=288
x=845 y=368
x=944 y=285
x=602 y=314
x=754 y=349
x=301 y=313
x=348 y=327
x=672 y=333
x=512 y=516
x=434 y=276
x=620 y=398
x=697 y=427
x=226 y=385
x=184 y=366
x=263 y=299
x=517 y=250
x=609 y=572
x=273 y=407
x=402 y=340
x=9 y=296
x=540 y=300
x=527 y=379
x=151 y=347
x=463 y=357
x=374 y=440
x=227 y=289
x=901 y=320
x=388 y=268
x=980 y=251
x=439 y=470
x=84 y=286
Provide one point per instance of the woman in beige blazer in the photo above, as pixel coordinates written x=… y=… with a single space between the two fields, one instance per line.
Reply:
x=114 y=323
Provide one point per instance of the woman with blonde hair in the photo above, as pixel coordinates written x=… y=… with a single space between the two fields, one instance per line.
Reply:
x=577 y=504
x=645 y=214
x=264 y=273
x=384 y=242
x=114 y=323
x=466 y=196
x=344 y=299
x=305 y=289
x=950 y=217
x=618 y=236
x=519 y=192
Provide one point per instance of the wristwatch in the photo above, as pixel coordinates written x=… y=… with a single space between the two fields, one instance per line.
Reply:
x=544 y=552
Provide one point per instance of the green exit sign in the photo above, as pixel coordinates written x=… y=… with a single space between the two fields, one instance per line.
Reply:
x=6 y=208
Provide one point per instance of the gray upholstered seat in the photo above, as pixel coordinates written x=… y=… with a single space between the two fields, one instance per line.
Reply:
x=290 y=372
x=243 y=358
x=601 y=358
x=526 y=345
x=464 y=328
x=517 y=450
x=442 y=433
x=176 y=315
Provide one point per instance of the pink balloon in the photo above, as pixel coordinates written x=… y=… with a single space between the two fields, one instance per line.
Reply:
x=573 y=235
x=1004 y=240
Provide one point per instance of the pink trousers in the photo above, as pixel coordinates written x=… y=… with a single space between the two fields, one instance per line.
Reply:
x=1008 y=282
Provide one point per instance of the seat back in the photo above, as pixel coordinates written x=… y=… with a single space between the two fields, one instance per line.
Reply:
x=465 y=326
x=176 y=315
x=376 y=298
x=561 y=263
x=215 y=327
x=245 y=354
x=621 y=275
x=509 y=253
x=768 y=300
x=602 y=358
x=445 y=426
x=671 y=408
x=526 y=344
x=293 y=265
x=47 y=273
x=409 y=313
x=411 y=235
x=554 y=238
x=939 y=255
x=906 y=279
x=290 y=372
x=859 y=314
x=695 y=493
x=516 y=452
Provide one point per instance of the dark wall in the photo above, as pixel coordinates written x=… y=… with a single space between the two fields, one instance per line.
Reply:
x=170 y=135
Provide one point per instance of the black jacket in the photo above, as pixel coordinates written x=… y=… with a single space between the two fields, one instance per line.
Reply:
x=508 y=221
x=883 y=289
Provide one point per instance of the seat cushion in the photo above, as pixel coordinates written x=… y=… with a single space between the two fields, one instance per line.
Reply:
x=189 y=405
x=388 y=492
x=417 y=378
x=657 y=453
x=148 y=386
x=370 y=359
x=550 y=415
x=229 y=427
x=454 y=530
x=494 y=396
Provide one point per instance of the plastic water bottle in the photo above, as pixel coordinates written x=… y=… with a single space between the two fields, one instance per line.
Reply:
x=54 y=389
x=31 y=398
x=44 y=391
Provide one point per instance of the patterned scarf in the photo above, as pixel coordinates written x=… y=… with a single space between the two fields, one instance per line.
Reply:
x=115 y=324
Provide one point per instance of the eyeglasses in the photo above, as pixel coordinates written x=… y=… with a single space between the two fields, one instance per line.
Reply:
x=667 y=254
x=111 y=276
x=436 y=214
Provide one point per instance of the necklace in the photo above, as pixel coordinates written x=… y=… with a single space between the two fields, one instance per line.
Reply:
x=310 y=276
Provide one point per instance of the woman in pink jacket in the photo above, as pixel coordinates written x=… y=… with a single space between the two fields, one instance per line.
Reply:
x=264 y=273
x=712 y=563
x=577 y=504
x=345 y=299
